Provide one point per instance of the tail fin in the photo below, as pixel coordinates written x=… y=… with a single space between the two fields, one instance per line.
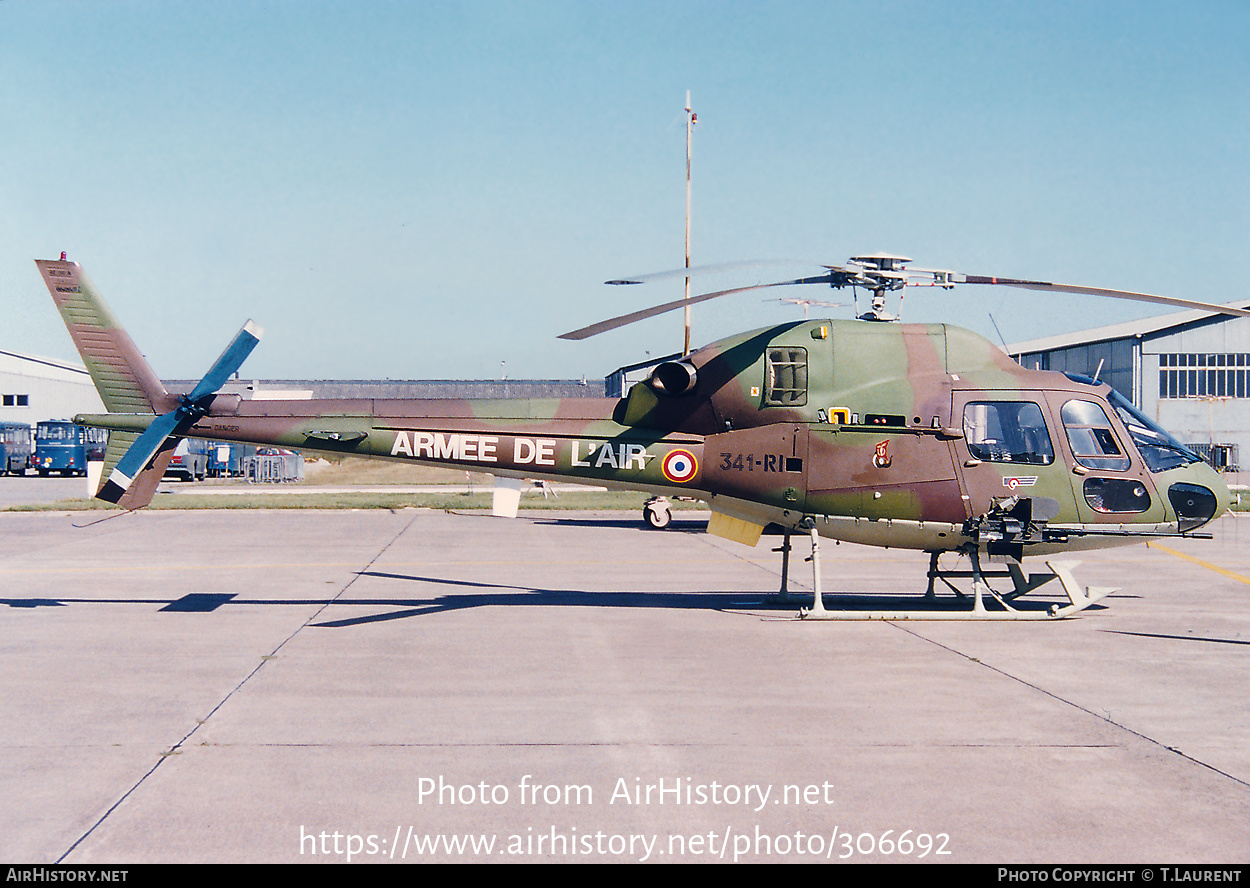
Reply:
x=143 y=487
x=134 y=461
x=125 y=381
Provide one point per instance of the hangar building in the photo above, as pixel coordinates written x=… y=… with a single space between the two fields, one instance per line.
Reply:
x=33 y=389
x=1187 y=370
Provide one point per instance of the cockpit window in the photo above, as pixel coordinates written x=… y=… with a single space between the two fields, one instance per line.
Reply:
x=1159 y=450
x=787 y=377
x=1007 y=431
x=1116 y=495
x=1093 y=441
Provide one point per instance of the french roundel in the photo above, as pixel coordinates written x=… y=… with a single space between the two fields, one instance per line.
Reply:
x=680 y=466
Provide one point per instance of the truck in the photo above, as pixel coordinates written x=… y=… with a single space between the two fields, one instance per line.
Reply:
x=15 y=448
x=65 y=448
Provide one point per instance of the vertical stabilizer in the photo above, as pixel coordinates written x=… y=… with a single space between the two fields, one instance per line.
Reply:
x=123 y=378
x=134 y=463
x=143 y=486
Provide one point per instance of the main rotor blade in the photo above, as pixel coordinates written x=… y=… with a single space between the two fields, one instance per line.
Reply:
x=633 y=317
x=1047 y=286
x=231 y=359
x=857 y=275
x=696 y=270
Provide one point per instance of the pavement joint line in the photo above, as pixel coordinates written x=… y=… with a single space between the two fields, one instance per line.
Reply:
x=909 y=630
x=1198 y=561
x=163 y=756
x=754 y=562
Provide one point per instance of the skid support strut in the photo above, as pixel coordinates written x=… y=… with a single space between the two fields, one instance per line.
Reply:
x=784 y=593
x=1079 y=598
x=818 y=601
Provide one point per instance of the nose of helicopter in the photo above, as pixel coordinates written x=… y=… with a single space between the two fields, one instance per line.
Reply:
x=1199 y=496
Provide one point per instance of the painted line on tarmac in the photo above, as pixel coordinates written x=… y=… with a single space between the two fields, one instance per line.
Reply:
x=115 y=568
x=1198 y=561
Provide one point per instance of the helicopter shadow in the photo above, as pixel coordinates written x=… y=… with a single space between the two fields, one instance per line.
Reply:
x=471 y=594
x=475 y=595
x=746 y=603
x=507 y=595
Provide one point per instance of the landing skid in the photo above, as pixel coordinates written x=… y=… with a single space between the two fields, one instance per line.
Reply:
x=1080 y=598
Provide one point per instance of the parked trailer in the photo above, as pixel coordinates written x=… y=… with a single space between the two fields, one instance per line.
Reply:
x=225 y=460
x=15 y=447
x=273 y=465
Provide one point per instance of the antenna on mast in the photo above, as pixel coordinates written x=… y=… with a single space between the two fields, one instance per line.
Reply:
x=691 y=119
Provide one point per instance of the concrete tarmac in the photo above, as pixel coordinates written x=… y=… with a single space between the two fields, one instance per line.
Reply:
x=29 y=489
x=285 y=686
x=19 y=490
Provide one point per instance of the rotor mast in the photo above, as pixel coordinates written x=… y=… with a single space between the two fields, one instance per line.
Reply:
x=880 y=273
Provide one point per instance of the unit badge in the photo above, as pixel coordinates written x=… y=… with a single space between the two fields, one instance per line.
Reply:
x=882 y=459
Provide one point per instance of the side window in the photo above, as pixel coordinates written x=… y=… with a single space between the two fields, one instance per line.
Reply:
x=786 y=377
x=1008 y=431
x=1094 y=444
x=1116 y=495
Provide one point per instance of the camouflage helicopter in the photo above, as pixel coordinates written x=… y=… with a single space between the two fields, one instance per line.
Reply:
x=915 y=436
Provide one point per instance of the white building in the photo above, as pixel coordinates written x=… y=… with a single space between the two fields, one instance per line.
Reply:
x=33 y=389
x=1189 y=370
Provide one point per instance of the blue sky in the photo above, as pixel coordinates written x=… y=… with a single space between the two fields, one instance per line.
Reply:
x=424 y=190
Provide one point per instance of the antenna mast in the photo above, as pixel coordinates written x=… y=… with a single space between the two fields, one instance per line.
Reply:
x=691 y=118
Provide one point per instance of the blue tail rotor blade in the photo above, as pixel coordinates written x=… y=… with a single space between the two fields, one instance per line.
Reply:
x=140 y=452
x=148 y=444
x=231 y=359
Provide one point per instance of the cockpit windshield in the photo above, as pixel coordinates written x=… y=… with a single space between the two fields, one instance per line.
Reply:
x=1158 y=449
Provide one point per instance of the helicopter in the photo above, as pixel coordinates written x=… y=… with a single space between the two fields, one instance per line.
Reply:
x=915 y=436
